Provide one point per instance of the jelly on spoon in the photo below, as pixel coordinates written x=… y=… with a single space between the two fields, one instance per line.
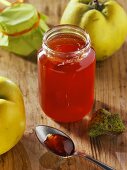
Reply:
x=61 y=144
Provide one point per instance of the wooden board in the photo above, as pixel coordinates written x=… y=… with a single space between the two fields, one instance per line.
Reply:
x=111 y=93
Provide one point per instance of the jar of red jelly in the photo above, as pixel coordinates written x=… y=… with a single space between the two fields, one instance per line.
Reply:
x=66 y=73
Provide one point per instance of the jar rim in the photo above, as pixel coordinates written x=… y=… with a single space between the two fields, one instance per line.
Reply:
x=69 y=27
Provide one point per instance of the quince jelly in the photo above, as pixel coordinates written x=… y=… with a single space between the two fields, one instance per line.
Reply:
x=66 y=73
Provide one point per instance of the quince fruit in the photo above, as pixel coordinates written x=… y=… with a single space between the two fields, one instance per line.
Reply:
x=12 y=115
x=105 y=21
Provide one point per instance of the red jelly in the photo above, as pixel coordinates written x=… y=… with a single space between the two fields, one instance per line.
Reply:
x=66 y=73
x=59 y=145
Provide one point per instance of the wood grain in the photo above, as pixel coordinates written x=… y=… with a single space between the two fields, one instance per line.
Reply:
x=110 y=93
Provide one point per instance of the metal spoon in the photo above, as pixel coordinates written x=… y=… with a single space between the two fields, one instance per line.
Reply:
x=43 y=133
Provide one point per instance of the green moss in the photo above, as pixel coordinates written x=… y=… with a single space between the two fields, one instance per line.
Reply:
x=104 y=122
x=115 y=124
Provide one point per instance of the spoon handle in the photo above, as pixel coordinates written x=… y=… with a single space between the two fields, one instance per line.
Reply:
x=100 y=164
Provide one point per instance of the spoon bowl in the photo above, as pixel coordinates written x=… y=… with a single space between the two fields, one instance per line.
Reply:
x=61 y=144
x=43 y=130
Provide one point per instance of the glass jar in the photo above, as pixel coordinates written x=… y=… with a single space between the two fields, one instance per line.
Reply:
x=66 y=73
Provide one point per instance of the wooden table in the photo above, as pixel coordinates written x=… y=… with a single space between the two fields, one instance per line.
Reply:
x=111 y=93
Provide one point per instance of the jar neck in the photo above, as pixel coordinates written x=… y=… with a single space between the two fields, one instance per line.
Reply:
x=68 y=56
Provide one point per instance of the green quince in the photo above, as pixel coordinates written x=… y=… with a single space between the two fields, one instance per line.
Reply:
x=105 y=21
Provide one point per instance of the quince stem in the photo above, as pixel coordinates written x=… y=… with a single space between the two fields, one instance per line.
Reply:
x=98 y=6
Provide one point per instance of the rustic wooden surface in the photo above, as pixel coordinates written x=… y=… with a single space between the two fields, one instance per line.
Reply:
x=111 y=93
